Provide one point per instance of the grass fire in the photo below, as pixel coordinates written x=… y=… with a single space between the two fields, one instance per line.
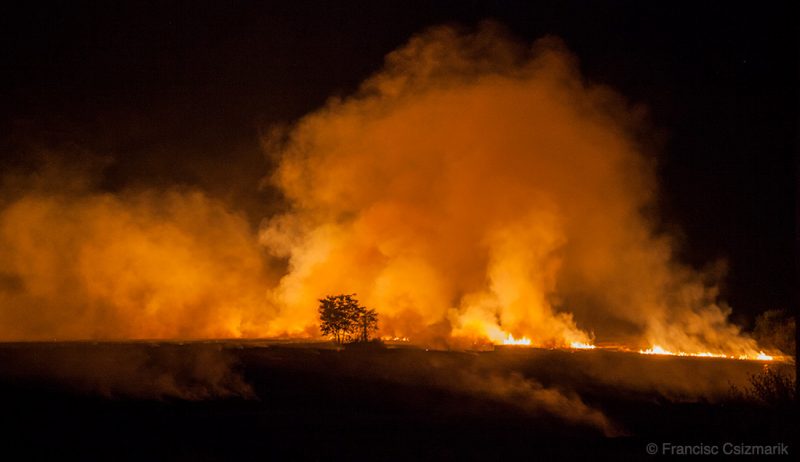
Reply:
x=244 y=229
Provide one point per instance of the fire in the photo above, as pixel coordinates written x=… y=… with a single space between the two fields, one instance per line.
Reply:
x=467 y=194
x=764 y=357
x=656 y=350
x=469 y=189
x=510 y=340
x=659 y=350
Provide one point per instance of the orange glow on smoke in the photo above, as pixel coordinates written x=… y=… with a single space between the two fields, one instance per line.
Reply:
x=474 y=188
x=471 y=188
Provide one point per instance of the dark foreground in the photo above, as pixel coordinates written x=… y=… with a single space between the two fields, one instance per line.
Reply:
x=256 y=400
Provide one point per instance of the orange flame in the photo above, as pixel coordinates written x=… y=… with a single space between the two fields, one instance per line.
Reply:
x=510 y=340
x=658 y=350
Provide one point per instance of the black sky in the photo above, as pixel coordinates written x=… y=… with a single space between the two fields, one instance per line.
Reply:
x=176 y=93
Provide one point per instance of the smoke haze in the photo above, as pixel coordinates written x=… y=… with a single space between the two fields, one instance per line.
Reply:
x=472 y=189
x=81 y=264
x=475 y=188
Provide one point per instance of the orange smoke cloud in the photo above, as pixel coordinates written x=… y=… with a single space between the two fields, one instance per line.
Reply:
x=78 y=264
x=473 y=189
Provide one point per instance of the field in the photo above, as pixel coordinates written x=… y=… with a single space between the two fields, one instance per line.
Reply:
x=261 y=400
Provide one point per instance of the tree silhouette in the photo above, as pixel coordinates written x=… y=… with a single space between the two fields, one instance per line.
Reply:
x=344 y=320
x=368 y=322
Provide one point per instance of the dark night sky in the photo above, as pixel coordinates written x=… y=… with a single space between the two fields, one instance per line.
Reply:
x=176 y=92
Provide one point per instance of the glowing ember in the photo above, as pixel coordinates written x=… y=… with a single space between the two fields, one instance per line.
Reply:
x=582 y=346
x=510 y=340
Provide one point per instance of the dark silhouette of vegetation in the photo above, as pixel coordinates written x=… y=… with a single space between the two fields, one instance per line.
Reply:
x=367 y=323
x=773 y=386
x=344 y=320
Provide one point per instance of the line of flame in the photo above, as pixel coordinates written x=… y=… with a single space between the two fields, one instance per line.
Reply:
x=658 y=350
x=654 y=350
x=510 y=340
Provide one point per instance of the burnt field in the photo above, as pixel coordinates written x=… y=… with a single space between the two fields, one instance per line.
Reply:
x=263 y=400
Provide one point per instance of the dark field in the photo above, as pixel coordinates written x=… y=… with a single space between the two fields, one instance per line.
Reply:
x=266 y=400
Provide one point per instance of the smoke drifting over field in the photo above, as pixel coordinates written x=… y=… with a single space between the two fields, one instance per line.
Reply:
x=79 y=264
x=472 y=189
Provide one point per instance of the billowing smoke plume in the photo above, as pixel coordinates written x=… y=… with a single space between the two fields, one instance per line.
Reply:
x=472 y=189
x=79 y=264
x=475 y=188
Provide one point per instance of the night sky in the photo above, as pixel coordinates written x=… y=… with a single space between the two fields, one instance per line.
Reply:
x=178 y=93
